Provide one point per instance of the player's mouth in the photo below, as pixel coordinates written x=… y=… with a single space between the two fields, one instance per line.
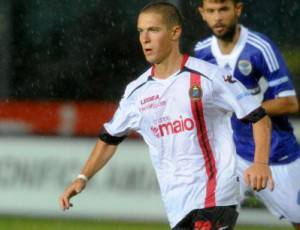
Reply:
x=219 y=28
x=148 y=51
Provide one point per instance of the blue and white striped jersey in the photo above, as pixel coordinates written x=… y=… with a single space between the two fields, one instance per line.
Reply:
x=258 y=64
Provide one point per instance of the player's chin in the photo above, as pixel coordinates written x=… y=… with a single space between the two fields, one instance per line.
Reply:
x=151 y=60
x=219 y=34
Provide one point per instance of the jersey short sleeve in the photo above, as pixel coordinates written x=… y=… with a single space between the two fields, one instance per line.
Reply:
x=231 y=95
x=272 y=66
x=125 y=119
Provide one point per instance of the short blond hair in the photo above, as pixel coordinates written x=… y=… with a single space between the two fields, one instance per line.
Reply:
x=221 y=1
x=168 y=11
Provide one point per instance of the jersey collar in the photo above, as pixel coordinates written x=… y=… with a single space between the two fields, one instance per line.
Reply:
x=183 y=62
x=235 y=52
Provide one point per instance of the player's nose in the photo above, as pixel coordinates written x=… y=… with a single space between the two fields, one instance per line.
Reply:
x=144 y=37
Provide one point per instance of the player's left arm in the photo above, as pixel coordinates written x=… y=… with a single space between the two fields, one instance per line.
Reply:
x=231 y=95
x=259 y=175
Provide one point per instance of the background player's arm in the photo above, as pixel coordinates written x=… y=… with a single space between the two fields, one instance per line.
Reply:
x=281 y=106
x=280 y=83
x=99 y=156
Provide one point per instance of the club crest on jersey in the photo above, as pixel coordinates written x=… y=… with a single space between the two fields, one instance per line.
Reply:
x=195 y=93
x=245 y=67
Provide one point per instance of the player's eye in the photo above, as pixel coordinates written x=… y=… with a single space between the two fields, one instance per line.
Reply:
x=154 y=29
x=223 y=9
x=209 y=11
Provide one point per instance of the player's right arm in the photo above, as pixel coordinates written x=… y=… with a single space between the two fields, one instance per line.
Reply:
x=99 y=156
x=112 y=133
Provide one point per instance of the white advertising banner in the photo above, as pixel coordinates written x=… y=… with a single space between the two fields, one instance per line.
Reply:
x=35 y=170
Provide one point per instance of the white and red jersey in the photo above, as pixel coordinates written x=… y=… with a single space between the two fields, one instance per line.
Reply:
x=184 y=121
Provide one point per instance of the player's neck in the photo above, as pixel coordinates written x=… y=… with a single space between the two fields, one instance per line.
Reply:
x=169 y=66
x=225 y=46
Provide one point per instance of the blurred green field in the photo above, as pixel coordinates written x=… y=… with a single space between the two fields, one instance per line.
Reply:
x=15 y=223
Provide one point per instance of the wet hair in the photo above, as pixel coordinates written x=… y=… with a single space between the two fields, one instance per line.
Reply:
x=221 y=1
x=168 y=11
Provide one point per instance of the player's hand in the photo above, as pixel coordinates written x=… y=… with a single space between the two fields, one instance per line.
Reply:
x=72 y=190
x=258 y=176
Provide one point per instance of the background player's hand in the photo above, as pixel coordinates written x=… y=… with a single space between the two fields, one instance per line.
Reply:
x=73 y=189
x=258 y=176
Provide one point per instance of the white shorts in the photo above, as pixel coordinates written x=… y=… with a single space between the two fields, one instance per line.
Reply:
x=284 y=201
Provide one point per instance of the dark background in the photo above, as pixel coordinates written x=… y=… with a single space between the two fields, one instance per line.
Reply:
x=88 y=49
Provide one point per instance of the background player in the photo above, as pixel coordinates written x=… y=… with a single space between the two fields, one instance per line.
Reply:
x=180 y=106
x=254 y=60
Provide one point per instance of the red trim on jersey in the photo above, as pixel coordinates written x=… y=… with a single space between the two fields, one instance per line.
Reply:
x=184 y=60
x=210 y=163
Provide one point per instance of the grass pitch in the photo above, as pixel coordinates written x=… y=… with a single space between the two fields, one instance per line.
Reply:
x=21 y=223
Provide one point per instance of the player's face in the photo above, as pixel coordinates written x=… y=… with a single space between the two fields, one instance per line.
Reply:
x=155 y=37
x=221 y=17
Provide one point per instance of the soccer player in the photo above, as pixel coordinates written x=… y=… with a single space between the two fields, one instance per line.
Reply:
x=180 y=107
x=255 y=61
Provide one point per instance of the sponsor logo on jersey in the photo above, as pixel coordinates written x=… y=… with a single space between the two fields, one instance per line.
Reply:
x=229 y=78
x=152 y=102
x=173 y=127
x=195 y=93
x=154 y=105
x=245 y=67
x=149 y=99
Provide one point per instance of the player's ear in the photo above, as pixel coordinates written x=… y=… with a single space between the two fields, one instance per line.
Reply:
x=176 y=32
x=201 y=12
x=239 y=8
